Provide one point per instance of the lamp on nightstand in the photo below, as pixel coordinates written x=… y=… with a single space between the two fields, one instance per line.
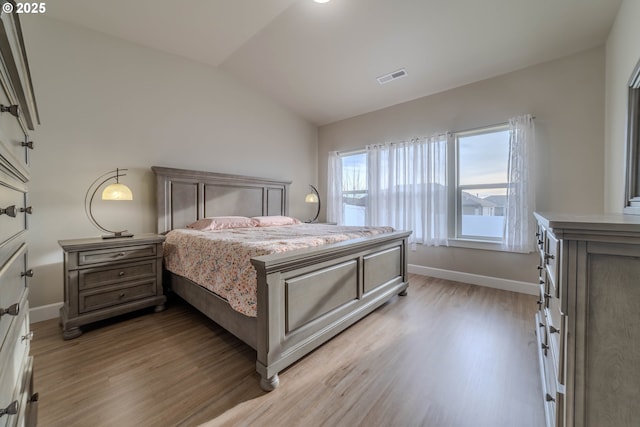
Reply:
x=313 y=197
x=113 y=191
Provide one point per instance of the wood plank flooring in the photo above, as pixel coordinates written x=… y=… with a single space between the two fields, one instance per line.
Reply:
x=448 y=354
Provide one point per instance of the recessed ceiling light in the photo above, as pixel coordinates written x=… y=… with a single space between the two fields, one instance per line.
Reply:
x=322 y=1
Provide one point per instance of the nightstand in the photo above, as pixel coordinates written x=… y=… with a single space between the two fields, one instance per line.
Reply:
x=104 y=278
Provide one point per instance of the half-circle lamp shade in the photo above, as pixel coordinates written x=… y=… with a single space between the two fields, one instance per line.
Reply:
x=311 y=198
x=113 y=191
x=117 y=192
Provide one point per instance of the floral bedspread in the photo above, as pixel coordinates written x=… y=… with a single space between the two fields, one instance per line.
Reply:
x=220 y=260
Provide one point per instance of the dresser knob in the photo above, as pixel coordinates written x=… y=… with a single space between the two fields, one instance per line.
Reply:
x=28 y=273
x=9 y=211
x=549 y=398
x=14 y=110
x=12 y=310
x=28 y=144
x=121 y=274
x=26 y=337
x=119 y=254
x=12 y=409
x=540 y=267
x=553 y=329
x=545 y=347
x=34 y=397
x=548 y=256
x=121 y=295
x=28 y=210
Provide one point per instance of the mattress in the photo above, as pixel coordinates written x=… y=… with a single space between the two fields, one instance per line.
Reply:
x=220 y=260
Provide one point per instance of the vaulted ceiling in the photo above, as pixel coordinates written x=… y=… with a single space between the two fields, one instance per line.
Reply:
x=322 y=60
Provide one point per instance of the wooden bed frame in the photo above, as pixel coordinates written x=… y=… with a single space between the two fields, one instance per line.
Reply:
x=305 y=297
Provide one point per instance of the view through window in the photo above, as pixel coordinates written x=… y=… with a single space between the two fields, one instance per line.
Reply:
x=482 y=182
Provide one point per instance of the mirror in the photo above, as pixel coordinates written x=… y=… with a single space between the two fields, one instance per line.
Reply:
x=632 y=193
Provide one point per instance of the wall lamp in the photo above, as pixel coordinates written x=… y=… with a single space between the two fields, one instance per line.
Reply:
x=113 y=191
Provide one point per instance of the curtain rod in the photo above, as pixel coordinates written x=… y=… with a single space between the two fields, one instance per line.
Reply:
x=362 y=150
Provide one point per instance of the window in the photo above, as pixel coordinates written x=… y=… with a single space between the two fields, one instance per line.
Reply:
x=472 y=189
x=354 y=188
x=482 y=159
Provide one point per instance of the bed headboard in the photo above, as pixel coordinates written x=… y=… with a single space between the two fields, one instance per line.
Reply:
x=184 y=196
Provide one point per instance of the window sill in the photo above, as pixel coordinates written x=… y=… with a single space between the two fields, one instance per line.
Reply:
x=477 y=244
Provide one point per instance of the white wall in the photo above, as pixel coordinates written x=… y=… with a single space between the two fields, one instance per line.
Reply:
x=106 y=103
x=567 y=98
x=623 y=53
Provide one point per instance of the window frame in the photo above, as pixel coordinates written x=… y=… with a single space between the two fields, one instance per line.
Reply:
x=342 y=155
x=456 y=238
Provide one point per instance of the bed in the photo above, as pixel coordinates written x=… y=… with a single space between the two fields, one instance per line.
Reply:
x=305 y=296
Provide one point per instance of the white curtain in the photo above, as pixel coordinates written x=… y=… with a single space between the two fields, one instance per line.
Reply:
x=407 y=187
x=519 y=221
x=334 y=188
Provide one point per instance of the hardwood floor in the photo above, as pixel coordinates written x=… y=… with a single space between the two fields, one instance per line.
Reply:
x=448 y=354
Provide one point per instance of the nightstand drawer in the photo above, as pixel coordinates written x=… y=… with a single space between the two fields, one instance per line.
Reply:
x=115 y=254
x=97 y=277
x=111 y=296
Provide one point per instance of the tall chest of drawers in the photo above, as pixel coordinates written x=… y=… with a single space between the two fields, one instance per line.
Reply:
x=588 y=324
x=18 y=402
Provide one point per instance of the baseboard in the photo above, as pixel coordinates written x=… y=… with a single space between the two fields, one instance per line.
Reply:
x=44 y=312
x=476 y=279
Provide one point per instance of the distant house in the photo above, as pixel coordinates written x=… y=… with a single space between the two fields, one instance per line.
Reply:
x=491 y=205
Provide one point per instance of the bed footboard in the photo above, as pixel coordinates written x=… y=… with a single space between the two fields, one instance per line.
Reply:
x=308 y=296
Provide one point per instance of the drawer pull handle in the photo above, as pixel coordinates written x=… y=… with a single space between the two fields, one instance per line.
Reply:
x=34 y=397
x=28 y=273
x=9 y=211
x=14 y=110
x=553 y=329
x=28 y=210
x=121 y=274
x=549 y=398
x=119 y=254
x=548 y=256
x=26 y=337
x=121 y=295
x=547 y=296
x=541 y=282
x=12 y=409
x=540 y=267
x=544 y=347
x=12 y=310
x=540 y=302
x=28 y=144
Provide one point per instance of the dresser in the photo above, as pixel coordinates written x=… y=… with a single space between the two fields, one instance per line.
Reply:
x=18 y=117
x=588 y=322
x=108 y=277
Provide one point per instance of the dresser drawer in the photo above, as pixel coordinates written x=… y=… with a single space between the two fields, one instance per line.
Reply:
x=97 y=277
x=13 y=363
x=13 y=136
x=12 y=288
x=551 y=255
x=113 y=295
x=12 y=199
x=115 y=254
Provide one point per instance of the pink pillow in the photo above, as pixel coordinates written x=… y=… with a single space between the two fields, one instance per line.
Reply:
x=222 y=223
x=268 y=221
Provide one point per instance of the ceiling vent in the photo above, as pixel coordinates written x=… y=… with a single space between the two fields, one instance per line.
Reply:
x=392 y=76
